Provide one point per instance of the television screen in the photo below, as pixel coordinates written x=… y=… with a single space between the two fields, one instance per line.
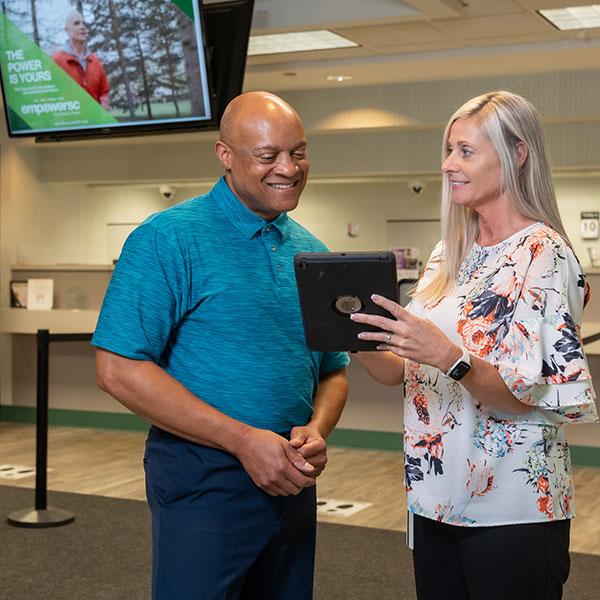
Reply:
x=71 y=68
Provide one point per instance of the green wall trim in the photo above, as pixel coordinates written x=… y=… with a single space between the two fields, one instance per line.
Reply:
x=581 y=456
x=368 y=440
x=585 y=456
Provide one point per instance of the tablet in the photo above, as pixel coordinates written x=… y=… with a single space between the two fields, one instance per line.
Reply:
x=332 y=286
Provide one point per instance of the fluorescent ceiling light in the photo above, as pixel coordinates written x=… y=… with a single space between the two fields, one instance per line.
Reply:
x=573 y=17
x=296 y=41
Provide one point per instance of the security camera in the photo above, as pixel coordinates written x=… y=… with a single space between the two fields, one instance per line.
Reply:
x=416 y=186
x=166 y=192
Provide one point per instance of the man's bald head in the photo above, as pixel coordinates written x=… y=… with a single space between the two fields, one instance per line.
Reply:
x=262 y=148
x=248 y=110
x=76 y=30
x=73 y=16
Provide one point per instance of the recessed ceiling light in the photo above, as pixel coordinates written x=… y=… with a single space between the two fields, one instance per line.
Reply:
x=573 y=17
x=339 y=78
x=297 y=41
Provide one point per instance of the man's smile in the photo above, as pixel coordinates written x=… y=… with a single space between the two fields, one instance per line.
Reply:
x=283 y=186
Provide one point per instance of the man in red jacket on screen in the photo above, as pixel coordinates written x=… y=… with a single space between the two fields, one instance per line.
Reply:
x=77 y=61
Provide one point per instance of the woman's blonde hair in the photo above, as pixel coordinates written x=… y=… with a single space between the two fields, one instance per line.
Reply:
x=506 y=119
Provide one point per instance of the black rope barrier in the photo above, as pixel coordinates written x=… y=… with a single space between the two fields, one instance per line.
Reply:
x=590 y=338
x=42 y=515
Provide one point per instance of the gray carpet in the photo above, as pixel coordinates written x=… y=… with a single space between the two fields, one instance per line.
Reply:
x=105 y=554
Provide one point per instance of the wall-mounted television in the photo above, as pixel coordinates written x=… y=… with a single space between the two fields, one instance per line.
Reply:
x=227 y=30
x=72 y=69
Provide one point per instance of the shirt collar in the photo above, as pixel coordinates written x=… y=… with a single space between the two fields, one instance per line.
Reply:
x=248 y=223
x=69 y=50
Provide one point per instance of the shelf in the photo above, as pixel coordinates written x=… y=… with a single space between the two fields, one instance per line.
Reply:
x=62 y=267
x=21 y=320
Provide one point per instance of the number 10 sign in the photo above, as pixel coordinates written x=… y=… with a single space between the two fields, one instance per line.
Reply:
x=589 y=225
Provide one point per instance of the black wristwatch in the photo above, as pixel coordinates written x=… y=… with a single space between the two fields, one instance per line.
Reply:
x=460 y=368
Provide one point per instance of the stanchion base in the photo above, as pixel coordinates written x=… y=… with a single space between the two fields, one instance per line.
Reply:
x=47 y=517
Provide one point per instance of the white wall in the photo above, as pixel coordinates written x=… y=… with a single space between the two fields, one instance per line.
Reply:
x=54 y=223
x=577 y=194
x=56 y=200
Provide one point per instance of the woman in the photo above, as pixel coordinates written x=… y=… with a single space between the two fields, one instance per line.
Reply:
x=490 y=355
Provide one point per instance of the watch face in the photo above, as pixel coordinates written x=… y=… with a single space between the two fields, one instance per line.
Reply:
x=460 y=370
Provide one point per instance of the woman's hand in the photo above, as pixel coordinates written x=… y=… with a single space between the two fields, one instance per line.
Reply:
x=408 y=336
x=420 y=340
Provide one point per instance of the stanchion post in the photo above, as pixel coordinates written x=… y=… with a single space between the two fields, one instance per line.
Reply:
x=41 y=448
x=41 y=515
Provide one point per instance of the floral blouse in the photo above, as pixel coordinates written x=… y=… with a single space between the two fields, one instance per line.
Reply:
x=517 y=305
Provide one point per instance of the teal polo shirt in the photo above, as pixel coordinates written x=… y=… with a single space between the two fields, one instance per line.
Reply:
x=206 y=289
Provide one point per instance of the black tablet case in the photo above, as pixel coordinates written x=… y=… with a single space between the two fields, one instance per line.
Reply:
x=324 y=277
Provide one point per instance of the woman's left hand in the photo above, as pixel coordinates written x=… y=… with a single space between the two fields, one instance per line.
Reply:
x=408 y=336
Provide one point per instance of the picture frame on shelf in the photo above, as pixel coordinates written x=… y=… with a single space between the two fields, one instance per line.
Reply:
x=18 y=293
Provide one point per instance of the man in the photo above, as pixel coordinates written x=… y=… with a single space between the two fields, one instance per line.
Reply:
x=80 y=64
x=200 y=334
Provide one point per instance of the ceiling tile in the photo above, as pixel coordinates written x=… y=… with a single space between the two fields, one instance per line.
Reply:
x=394 y=34
x=529 y=38
x=534 y=5
x=309 y=56
x=498 y=26
x=277 y=14
x=402 y=49
x=481 y=8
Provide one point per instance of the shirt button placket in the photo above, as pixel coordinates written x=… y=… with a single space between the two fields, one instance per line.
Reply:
x=274 y=248
x=276 y=268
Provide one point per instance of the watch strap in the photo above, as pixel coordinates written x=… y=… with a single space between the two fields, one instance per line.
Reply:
x=460 y=368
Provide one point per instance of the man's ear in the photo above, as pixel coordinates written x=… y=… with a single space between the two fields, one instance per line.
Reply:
x=223 y=152
x=522 y=152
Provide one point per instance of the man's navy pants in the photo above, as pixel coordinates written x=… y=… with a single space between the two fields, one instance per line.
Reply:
x=216 y=535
